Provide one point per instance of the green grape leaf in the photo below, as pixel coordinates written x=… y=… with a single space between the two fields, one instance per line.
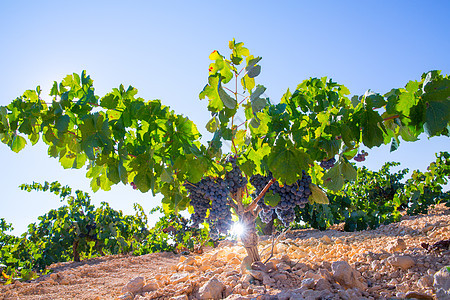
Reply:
x=356 y=100
x=166 y=176
x=407 y=134
x=99 y=178
x=437 y=116
x=437 y=90
x=287 y=163
x=258 y=104
x=109 y=101
x=347 y=170
x=184 y=165
x=247 y=83
x=395 y=143
x=346 y=135
x=34 y=138
x=212 y=125
x=332 y=179
x=211 y=91
x=408 y=99
x=54 y=91
x=62 y=123
x=252 y=62
x=272 y=199
x=144 y=181
x=66 y=159
x=18 y=143
x=254 y=71
x=260 y=89
x=255 y=122
x=374 y=100
x=317 y=195
x=372 y=135
x=227 y=100
x=331 y=146
x=25 y=127
x=392 y=100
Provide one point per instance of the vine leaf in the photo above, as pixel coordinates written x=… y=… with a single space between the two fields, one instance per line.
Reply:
x=18 y=143
x=254 y=71
x=287 y=164
x=437 y=116
x=372 y=135
x=62 y=124
x=166 y=176
x=348 y=171
x=407 y=99
x=247 y=83
x=212 y=125
x=317 y=195
x=272 y=199
x=335 y=177
x=332 y=179
x=211 y=91
x=227 y=100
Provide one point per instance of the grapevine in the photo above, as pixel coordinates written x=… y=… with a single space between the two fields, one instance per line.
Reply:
x=124 y=138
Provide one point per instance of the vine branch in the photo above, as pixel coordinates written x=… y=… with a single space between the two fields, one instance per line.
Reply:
x=252 y=205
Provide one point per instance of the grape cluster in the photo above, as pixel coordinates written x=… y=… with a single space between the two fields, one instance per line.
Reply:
x=198 y=200
x=361 y=156
x=328 y=164
x=219 y=214
x=210 y=193
x=266 y=215
x=285 y=215
x=291 y=196
x=234 y=178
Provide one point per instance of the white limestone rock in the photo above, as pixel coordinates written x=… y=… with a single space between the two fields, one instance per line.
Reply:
x=346 y=276
x=134 y=286
x=442 y=283
x=212 y=289
x=404 y=262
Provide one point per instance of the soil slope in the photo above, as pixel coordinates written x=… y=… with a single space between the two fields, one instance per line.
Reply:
x=385 y=263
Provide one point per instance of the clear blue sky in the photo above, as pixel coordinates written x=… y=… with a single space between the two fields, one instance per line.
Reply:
x=162 y=48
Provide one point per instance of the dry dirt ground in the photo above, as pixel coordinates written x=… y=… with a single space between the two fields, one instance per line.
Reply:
x=386 y=263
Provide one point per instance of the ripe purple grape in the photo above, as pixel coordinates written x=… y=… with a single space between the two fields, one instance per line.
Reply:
x=234 y=178
x=361 y=156
x=210 y=193
x=328 y=164
x=291 y=196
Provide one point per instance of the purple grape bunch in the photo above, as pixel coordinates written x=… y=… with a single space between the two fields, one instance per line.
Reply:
x=234 y=178
x=328 y=164
x=291 y=196
x=361 y=156
x=210 y=193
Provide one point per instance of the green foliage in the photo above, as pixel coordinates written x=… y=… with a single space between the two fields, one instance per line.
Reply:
x=124 y=138
x=425 y=189
x=78 y=230
x=172 y=233
x=72 y=232
x=377 y=198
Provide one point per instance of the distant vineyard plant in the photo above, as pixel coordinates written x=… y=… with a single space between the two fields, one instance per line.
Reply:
x=380 y=197
x=78 y=230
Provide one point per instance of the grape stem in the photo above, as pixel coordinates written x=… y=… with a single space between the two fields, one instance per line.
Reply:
x=253 y=205
x=392 y=117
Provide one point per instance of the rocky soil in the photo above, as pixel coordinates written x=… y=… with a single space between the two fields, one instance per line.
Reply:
x=386 y=263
